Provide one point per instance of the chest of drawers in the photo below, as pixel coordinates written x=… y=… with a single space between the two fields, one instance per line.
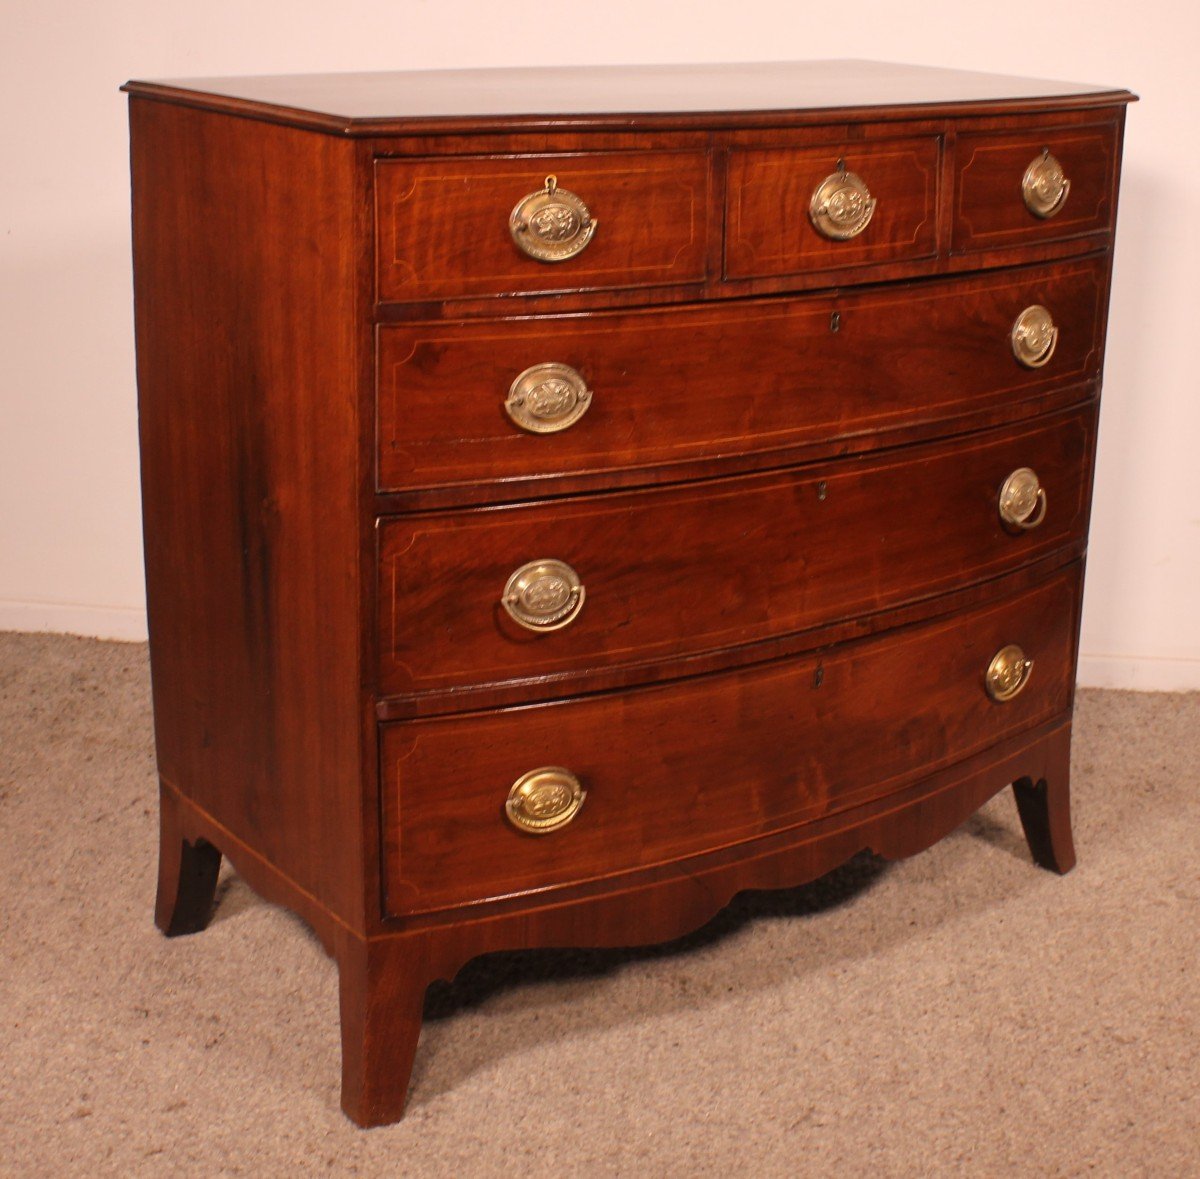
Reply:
x=573 y=497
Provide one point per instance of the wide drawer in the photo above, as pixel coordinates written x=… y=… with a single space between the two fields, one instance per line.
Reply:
x=444 y=227
x=672 y=572
x=681 y=384
x=830 y=207
x=678 y=770
x=1042 y=183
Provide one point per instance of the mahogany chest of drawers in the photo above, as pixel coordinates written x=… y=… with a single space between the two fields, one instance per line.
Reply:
x=572 y=497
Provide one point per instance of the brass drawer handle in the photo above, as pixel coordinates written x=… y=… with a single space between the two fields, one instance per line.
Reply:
x=547 y=398
x=1021 y=496
x=544 y=800
x=551 y=224
x=1034 y=336
x=543 y=595
x=841 y=206
x=1008 y=673
x=1044 y=187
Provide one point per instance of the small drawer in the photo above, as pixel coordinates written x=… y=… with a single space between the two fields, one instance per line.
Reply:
x=470 y=226
x=537 y=398
x=829 y=208
x=495 y=804
x=1015 y=188
x=562 y=589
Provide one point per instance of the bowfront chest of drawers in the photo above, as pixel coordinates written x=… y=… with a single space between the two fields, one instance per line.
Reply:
x=572 y=497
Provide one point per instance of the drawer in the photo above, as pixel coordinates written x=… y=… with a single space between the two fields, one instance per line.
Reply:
x=633 y=219
x=784 y=202
x=1036 y=184
x=634 y=390
x=677 y=770
x=702 y=567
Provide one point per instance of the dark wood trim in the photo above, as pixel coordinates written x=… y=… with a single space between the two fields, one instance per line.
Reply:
x=740 y=120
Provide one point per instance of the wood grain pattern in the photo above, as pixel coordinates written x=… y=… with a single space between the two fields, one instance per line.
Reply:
x=719 y=382
x=768 y=227
x=989 y=210
x=516 y=692
x=796 y=573
x=443 y=228
x=814 y=735
x=247 y=405
x=607 y=97
x=673 y=572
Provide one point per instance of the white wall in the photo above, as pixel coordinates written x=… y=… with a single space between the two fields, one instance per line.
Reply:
x=70 y=555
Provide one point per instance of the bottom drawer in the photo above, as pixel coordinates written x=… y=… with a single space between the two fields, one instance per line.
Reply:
x=679 y=769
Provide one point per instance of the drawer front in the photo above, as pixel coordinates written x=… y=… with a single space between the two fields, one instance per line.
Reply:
x=1070 y=190
x=681 y=769
x=774 y=221
x=444 y=225
x=673 y=385
x=702 y=567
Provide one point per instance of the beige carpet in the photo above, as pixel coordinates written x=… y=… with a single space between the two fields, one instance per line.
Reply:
x=960 y=1013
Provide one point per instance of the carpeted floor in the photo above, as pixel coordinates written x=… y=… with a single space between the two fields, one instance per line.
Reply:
x=961 y=1013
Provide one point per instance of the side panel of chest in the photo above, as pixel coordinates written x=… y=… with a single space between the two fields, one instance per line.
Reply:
x=249 y=349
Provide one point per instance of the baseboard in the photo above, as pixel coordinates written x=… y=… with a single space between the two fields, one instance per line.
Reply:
x=126 y=623
x=1139 y=673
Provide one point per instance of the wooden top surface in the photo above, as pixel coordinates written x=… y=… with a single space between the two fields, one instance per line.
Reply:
x=575 y=96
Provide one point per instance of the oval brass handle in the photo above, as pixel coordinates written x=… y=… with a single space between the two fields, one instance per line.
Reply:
x=1034 y=336
x=1008 y=673
x=1044 y=187
x=547 y=398
x=841 y=205
x=1022 y=500
x=551 y=224
x=543 y=595
x=544 y=800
